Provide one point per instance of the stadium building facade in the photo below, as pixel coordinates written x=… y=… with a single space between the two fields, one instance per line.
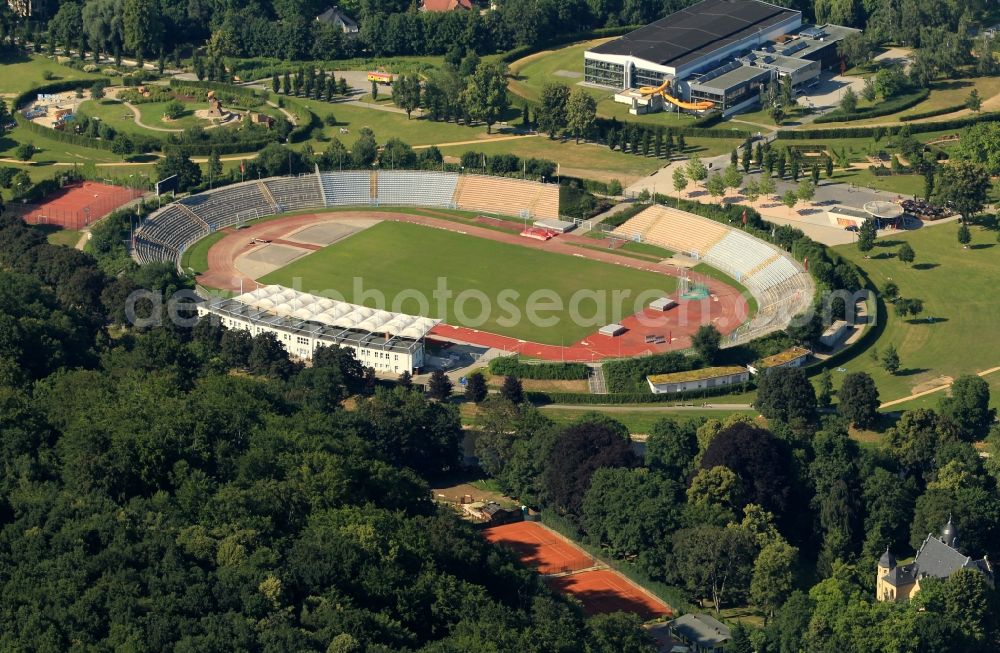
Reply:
x=386 y=341
x=721 y=51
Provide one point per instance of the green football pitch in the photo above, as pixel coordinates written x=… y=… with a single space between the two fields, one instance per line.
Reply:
x=401 y=261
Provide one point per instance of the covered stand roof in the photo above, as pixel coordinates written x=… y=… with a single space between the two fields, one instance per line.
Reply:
x=290 y=303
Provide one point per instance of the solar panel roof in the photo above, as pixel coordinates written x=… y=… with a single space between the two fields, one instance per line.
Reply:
x=700 y=29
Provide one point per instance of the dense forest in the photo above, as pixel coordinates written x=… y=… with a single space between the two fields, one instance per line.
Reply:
x=188 y=488
x=286 y=28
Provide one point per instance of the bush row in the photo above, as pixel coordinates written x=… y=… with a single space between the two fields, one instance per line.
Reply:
x=869 y=132
x=307 y=121
x=604 y=125
x=62 y=136
x=894 y=105
x=647 y=397
x=512 y=366
x=618 y=219
x=628 y=376
x=933 y=112
x=219 y=87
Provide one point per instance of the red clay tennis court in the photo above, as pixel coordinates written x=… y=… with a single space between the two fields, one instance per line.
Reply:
x=571 y=570
x=603 y=590
x=78 y=205
x=539 y=547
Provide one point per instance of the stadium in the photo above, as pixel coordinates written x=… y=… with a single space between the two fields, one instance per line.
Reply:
x=402 y=232
x=714 y=54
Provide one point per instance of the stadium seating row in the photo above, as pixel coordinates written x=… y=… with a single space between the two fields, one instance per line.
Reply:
x=168 y=231
x=776 y=282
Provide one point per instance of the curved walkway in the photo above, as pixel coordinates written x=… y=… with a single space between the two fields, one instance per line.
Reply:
x=918 y=395
x=725 y=307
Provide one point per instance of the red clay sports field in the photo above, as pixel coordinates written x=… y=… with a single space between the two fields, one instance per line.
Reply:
x=571 y=570
x=724 y=307
x=78 y=205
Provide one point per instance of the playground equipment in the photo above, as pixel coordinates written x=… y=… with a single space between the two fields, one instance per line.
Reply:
x=661 y=90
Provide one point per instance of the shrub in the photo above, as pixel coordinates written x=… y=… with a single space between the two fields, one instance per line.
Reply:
x=512 y=366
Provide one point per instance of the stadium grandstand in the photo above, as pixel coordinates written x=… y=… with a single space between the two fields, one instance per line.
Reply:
x=777 y=282
x=165 y=234
x=713 y=55
x=386 y=341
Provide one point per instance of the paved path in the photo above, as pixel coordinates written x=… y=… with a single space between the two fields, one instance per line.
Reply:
x=137 y=118
x=918 y=395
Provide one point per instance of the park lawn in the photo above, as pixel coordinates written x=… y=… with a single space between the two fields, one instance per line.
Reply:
x=196 y=257
x=954 y=285
x=388 y=124
x=933 y=400
x=637 y=420
x=64 y=237
x=115 y=113
x=23 y=72
x=528 y=76
x=395 y=259
x=52 y=151
x=152 y=115
x=906 y=184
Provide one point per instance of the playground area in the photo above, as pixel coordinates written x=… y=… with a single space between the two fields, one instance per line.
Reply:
x=78 y=205
x=571 y=570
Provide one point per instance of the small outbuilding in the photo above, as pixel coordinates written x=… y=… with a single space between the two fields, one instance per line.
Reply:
x=703 y=379
x=662 y=304
x=791 y=357
x=702 y=632
x=612 y=330
x=834 y=334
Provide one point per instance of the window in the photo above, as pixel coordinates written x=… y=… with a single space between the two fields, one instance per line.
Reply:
x=603 y=73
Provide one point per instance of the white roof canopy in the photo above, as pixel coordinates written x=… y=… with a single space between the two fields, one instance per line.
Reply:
x=303 y=306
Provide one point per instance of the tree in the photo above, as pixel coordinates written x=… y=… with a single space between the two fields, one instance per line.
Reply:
x=512 y=390
x=767 y=186
x=365 y=150
x=790 y=199
x=824 y=396
x=696 y=170
x=805 y=191
x=906 y=253
x=439 y=386
x=705 y=342
x=173 y=109
x=773 y=576
x=122 y=145
x=485 y=97
x=275 y=83
x=964 y=235
x=785 y=394
x=298 y=81
x=581 y=113
x=680 y=182
x=732 y=177
x=828 y=162
x=734 y=158
x=24 y=151
x=745 y=160
x=406 y=93
x=967 y=411
x=713 y=562
x=142 y=26
x=814 y=174
x=475 y=387
x=890 y=360
x=552 y=115
x=752 y=191
x=671 y=448
x=716 y=185
x=214 y=167
x=964 y=185
x=96 y=91
x=578 y=452
x=718 y=486
x=858 y=400
x=849 y=101
x=630 y=511
x=974 y=103
x=866 y=236
x=177 y=162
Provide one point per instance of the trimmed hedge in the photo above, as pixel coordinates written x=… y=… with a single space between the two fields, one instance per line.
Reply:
x=512 y=366
x=618 y=219
x=307 y=121
x=576 y=398
x=869 y=132
x=934 y=112
x=884 y=109
x=23 y=99
x=62 y=136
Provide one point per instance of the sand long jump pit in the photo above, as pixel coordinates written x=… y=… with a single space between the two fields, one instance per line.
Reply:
x=325 y=233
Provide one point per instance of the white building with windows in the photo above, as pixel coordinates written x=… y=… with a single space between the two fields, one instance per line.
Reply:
x=389 y=342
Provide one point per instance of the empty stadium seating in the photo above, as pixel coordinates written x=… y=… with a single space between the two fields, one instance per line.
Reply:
x=737 y=254
x=416 y=188
x=296 y=193
x=230 y=205
x=345 y=188
x=675 y=230
x=508 y=196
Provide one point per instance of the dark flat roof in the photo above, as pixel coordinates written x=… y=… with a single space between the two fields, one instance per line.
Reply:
x=700 y=29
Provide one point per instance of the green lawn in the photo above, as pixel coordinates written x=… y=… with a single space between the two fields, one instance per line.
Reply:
x=196 y=256
x=396 y=259
x=953 y=284
x=22 y=72
x=65 y=237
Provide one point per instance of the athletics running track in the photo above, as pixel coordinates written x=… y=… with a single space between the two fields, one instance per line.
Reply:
x=725 y=307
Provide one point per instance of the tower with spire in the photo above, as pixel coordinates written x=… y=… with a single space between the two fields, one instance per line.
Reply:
x=938 y=557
